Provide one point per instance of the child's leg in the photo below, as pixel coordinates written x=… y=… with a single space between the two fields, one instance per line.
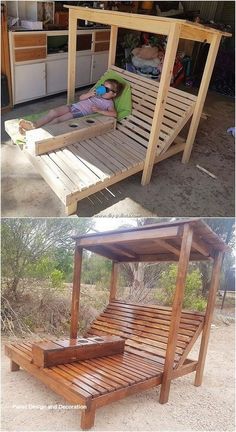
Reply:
x=62 y=118
x=51 y=115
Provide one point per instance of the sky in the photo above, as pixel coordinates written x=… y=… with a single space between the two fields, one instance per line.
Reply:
x=108 y=224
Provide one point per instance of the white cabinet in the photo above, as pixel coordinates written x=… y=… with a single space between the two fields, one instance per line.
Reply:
x=83 y=68
x=29 y=82
x=57 y=75
x=99 y=67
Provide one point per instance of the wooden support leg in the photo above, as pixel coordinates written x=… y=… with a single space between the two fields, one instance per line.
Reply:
x=176 y=313
x=87 y=418
x=213 y=50
x=208 y=318
x=72 y=208
x=14 y=366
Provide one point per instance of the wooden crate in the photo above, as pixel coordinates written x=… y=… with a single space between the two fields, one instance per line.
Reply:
x=48 y=353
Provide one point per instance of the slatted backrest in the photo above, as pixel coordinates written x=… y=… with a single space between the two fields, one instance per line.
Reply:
x=179 y=108
x=146 y=329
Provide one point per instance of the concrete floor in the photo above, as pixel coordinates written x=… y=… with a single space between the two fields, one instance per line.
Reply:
x=175 y=189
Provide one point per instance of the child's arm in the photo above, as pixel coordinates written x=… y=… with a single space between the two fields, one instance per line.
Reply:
x=87 y=95
x=110 y=112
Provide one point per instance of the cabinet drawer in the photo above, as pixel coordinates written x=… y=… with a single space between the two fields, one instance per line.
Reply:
x=29 y=40
x=30 y=54
x=101 y=46
x=102 y=36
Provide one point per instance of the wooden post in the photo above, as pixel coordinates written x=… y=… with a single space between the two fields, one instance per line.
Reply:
x=14 y=366
x=114 y=277
x=71 y=56
x=76 y=293
x=215 y=279
x=213 y=50
x=87 y=418
x=171 y=49
x=176 y=312
x=112 y=47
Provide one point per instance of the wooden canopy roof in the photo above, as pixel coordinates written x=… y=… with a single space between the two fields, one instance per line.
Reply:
x=146 y=23
x=153 y=243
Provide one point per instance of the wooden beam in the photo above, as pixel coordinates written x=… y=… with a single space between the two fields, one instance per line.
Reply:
x=215 y=278
x=190 y=345
x=114 y=278
x=53 y=137
x=121 y=19
x=176 y=312
x=184 y=369
x=165 y=257
x=213 y=50
x=121 y=250
x=166 y=245
x=72 y=37
x=120 y=237
x=201 y=247
x=112 y=47
x=105 y=252
x=76 y=293
x=170 y=54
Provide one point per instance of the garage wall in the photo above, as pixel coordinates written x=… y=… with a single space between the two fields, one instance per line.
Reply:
x=219 y=11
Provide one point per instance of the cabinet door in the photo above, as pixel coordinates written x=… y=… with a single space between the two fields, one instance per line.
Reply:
x=57 y=75
x=100 y=62
x=83 y=70
x=29 y=82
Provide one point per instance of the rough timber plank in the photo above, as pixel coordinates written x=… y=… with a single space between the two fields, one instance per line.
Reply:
x=52 y=137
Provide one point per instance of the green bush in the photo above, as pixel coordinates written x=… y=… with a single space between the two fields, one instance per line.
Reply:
x=57 y=278
x=192 y=295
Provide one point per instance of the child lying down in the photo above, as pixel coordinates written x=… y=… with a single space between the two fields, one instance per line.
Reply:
x=88 y=103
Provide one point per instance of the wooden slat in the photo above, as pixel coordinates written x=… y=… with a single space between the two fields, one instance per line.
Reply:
x=145 y=82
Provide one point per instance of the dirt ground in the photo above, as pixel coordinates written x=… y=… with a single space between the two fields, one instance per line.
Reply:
x=206 y=408
x=175 y=189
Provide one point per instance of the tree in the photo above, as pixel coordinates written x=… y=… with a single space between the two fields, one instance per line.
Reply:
x=25 y=241
x=141 y=276
x=224 y=228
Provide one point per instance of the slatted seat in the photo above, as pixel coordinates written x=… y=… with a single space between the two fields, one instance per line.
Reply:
x=90 y=165
x=146 y=329
x=95 y=377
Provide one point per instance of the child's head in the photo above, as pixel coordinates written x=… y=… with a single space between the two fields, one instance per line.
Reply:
x=115 y=89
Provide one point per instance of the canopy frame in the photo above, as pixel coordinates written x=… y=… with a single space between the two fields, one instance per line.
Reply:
x=175 y=29
x=188 y=232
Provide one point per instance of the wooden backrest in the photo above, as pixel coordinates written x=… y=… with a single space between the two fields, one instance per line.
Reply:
x=179 y=106
x=146 y=329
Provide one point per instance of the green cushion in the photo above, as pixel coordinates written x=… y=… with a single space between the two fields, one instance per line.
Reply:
x=123 y=103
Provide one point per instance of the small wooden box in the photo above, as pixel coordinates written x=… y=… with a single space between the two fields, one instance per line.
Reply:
x=47 y=353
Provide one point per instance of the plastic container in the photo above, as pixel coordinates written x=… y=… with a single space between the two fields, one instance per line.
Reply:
x=100 y=90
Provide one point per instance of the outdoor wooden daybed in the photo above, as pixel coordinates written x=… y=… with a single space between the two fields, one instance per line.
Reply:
x=150 y=134
x=157 y=339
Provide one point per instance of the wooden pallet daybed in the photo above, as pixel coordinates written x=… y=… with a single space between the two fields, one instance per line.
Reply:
x=157 y=339
x=149 y=134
